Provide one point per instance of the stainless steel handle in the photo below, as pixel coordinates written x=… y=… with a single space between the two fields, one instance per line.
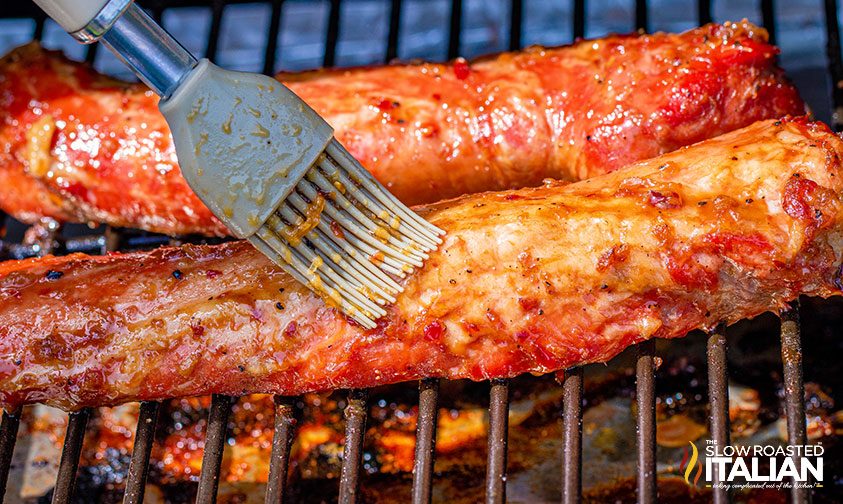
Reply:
x=152 y=53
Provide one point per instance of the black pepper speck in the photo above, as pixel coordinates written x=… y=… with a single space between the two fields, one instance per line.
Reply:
x=178 y=275
x=54 y=275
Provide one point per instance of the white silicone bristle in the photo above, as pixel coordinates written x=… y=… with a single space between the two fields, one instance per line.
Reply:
x=347 y=238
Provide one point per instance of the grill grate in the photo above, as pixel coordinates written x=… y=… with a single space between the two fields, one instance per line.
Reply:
x=287 y=410
x=139 y=465
x=718 y=393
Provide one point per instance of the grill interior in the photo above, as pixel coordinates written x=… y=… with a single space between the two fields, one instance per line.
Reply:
x=356 y=411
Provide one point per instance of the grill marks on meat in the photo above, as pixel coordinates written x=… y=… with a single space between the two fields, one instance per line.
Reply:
x=532 y=280
x=83 y=147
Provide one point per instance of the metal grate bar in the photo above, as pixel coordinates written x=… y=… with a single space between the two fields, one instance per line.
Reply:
x=579 y=19
x=794 y=390
x=215 y=436
x=704 y=11
x=332 y=35
x=718 y=397
x=498 y=435
x=286 y=420
x=91 y=53
x=572 y=436
x=272 y=37
x=455 y=32
x=157 y=12
x=835 y=64
x=355 y=430
x=768 y=18
x=641 y=17
x=516 y=17
x=40 y=21
x=646 y=399
x=139 y=465
x=74 y=436
x=394 y=29
x=8 y=435
x=425 y=441
x=217 y=10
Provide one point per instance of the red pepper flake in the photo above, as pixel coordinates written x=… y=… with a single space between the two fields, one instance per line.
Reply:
x=388 y=104
x=434 y=331
x=461 y=69
x=198 y=330
x=665 y=200
x=437 y=96
x=528 y=304
x=615 y=255
x=212 y=273
x=291 y=328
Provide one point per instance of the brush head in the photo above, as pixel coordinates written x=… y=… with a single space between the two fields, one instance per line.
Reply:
x=243 y=141
x=268 y=166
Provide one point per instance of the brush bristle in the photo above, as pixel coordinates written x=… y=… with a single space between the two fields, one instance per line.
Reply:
x=347 y=238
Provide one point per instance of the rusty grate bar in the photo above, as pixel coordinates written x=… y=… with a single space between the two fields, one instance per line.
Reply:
x=703 y=11
x=768 y=18
x=215 y=436
x=40 y=21
x=641 y=15
x=355 y=429
x=646 y=401
x=91 y=53
x=835 y=63
x=272 y=37
x=455 y=31
x=516 y=22
x=394 y=29
x=579 y=19
x=572 y=436
x=72 y=449
x=8 y=434
x=425 y=453
x=217 y=10
x=794 y=390
x=498 y=435
x=332 y=35
x=718 y=397
x=286 y=419
x=139 y=465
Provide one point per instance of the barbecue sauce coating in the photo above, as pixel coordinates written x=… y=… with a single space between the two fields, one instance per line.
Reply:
x=83 y=147
x=531 y=280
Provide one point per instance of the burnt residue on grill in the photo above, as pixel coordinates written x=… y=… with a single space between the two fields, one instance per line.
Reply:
x=535 y=450
x=535 y=440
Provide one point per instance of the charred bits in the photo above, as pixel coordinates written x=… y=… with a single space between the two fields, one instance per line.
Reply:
x=53 y=275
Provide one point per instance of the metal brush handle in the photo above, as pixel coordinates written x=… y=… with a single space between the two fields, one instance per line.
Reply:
x=152 y=53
